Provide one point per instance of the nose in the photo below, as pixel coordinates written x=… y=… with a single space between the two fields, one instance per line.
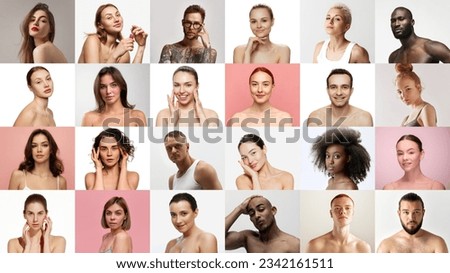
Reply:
x=36 y=22
x=109 y=152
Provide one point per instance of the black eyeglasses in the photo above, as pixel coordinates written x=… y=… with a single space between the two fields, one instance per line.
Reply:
x=188 y=24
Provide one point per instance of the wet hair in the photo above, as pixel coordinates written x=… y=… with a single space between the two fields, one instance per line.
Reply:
x=27 y=47
x=411 y=197
x=177 y=135
x=184 y=196
x=31 y=72
x=55 y=164
x=98 y=20
x=118 y=78
x=187 y=69
x=411 y=138
x=340 y=71
x=195 y=9
x=405 y=71
x=341 y=196
x=126 y=224
x=358 y=166
x=252 y=138
x=122 y=140
x=261 y=69
x=408 y=12
x=35 y=198
x=346 y=12
x=262 y=6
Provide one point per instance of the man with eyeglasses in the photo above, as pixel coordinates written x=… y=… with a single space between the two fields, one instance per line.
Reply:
x=340 y=113
x=195 y=46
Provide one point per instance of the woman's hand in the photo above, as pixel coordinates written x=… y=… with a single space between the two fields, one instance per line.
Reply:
x=173 y=109
x=125 y=45
x=253 y=43
x=139 y=35
x=96 y=158
x=123 y=160
x=204 y=36
x=47 y=227
x=26 y=234
x=253 y=175
x=199 y=111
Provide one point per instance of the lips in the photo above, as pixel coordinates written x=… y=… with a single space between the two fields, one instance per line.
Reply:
x=35 y=29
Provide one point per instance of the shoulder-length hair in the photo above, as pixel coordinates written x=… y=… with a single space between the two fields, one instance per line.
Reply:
x=118 y=78
x=55 y=164
x=27 y=47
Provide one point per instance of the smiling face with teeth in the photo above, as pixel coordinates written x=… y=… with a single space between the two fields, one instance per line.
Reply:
x=184 y=85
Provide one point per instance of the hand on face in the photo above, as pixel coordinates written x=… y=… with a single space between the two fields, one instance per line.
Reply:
x=204 y=36
x=26 y=233
x=173 y=108
x=253 y=43
x=124 y=159
x=199 y=108
x=248 y=171
x=139 y=35
x=95 y=156
x=47 y=226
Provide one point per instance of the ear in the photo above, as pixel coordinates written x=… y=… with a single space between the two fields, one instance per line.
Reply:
x=398 y=212
x=349 y=158
x=273 y=22
x=196 y=212
x=347 y=27
x=187 y=146
x=422 y=154
x=274 y=210
x=413 y=22
x=331 y=214
x=265 y=149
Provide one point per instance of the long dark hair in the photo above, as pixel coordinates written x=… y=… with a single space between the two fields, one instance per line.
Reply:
x=56 y=165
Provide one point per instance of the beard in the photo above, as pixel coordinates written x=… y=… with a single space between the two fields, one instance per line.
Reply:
x=412 y=231
x=407 y=31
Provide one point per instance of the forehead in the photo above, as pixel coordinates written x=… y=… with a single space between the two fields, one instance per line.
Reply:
x=181 y=205
x=193 y=17
x=342 y=201
x=109 y=10
x=335 y=12
x=339 y=79
x=40 y=138
x=247 y=146
x=261 y=76
x=259 y=13
x=256 y=201
x=41 y=73
x=336 y=148
x=107 y=78
x=404 y=81
x=410 y=205
x=39 y=13
x=400 y=13
x=172 y=141
x=183 y=76
x=114 y=207
x=406 y=144
x=35 y=206
x=108 y=141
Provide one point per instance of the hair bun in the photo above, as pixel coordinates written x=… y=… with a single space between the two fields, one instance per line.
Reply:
x=402 y=68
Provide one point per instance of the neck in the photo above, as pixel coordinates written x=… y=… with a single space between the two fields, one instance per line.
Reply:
x=267 y=44
x=415 y=175
x=266 y=170
x=41 y=103
x=42 y=169
x=341 y=234
x=409 y=41
x=341 y=111
x=187 y=107
x=191 y=231
x=114 y=109
x=190 y=42
x=184 y=165
x=270 y=233
x=38 y=41
x=336 y=42
x=260 y=108
x=418 y=103
x=111 y=40
x=116 y=231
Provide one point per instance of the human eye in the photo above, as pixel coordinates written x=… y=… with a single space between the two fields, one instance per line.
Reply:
x=346 y=87
x=188 y=84
x=197 y=25
x=253 y=21
x=114 y=84
x=102 y=86
x=108 y=17
x=333 y=87
x=34 y=145
x=45 y=145
x=103 y=149
x=337 y=156
x=108 y=213
x=251 y=212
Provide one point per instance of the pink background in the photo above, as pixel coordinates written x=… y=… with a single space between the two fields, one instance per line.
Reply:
x=285 y=95
x=88 y=215
x=14 y=140
x=435 y=143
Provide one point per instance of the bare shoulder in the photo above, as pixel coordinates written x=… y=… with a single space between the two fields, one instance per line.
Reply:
x=243 y=182
x=14 y=246
x=62 y=183
x=359 y=55
x=210 y=113
x=294 y=242
x=207 y=238
x=133 y=179
x=238 y=54
x=436 y=185
x=280 y=113
x=89 y=180
x=170 y=244
x=361 y=117
x=89 y=118
x=316 y=244
x=393 y=55
x=390 y=186
x=26 y=117
x=92 y=40
x=17 y=177
x=316 y=118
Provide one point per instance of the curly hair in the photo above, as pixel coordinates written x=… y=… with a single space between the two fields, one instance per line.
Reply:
x=123 y=141
x=358 y=166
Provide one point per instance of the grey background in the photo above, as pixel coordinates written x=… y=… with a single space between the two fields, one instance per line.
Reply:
x=13 y=12
x=166 y=28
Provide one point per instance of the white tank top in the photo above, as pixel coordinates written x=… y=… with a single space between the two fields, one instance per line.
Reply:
x=187 y=180
x=345 y=59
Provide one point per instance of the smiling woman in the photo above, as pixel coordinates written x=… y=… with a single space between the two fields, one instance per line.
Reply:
x=38 y=32
x=183 y=211
x=259 y=48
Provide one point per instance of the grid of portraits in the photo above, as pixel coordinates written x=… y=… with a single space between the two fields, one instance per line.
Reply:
x=245 y=152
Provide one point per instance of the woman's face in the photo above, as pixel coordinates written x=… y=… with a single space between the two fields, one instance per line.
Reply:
x=114 y=216
x=41 y=84
x=335 y=159
x=111 y=20
x=408 y=90
x=39 y=25
x=109 y=89
x=408 y=155
x=35 y=215
x=40 y=148
x=184 y=87
x=335 y=23
x=182 y=215
x=260 y=22
x=109 y=150
x=253 y=156
x=261 y=86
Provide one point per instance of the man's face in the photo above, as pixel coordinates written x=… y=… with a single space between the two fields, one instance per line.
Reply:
x=342 y=211
x=176 y=150
x=402 y=25
x=339 y=90
x=261 y=213
x=411 y=216
x=192 y=25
